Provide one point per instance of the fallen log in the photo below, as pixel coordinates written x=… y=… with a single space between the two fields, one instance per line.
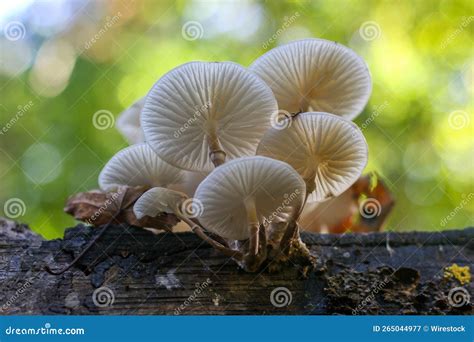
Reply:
x=131 y=271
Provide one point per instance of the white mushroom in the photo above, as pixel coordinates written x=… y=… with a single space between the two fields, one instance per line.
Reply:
x=128 y=123
x=158 y=200
x=328 y=151
x=248 y=192
x=161 y=200
x=316 y=75
x=138 y=165
x=200 y=113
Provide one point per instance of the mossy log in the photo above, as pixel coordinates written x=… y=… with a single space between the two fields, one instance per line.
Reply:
x=131 y=271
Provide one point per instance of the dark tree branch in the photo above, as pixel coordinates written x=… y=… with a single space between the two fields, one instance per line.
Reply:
x=376 y=273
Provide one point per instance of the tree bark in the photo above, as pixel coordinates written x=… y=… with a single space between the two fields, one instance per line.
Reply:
x=133 y=271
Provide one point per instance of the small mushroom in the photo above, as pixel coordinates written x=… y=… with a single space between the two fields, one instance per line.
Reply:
x=240 y=198
x=316 y=75
x=199 y=114
x=328 y=151
x=138 y=165
x=158 y=200
x=128 y=123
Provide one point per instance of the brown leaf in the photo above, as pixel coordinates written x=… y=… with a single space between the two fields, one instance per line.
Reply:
x=367 y=188
x=346 y=211
x=97 y=208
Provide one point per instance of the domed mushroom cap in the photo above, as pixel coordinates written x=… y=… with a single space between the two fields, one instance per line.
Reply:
x=324 y=148
x=158 y=200
x=194 y=100
x=316 y=75
x=128 y=123
x=138 y=165
x=273 y=186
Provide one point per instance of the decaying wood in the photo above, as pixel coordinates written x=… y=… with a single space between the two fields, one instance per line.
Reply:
x=132 y=271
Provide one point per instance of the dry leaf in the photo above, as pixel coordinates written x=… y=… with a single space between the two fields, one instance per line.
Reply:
x=364 y=207
x=97 y=208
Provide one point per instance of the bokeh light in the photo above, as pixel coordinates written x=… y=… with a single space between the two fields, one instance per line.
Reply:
x=62 y=61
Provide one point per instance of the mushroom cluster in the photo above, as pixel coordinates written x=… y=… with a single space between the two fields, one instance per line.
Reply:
x=237 y=153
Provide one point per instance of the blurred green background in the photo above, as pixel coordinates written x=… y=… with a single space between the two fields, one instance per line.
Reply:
x=63 y=61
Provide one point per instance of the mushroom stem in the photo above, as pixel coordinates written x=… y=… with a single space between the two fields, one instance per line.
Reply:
x=253 y=225
x=254 y=238
x=216 y=154
x=290 y=233
x=199 y=231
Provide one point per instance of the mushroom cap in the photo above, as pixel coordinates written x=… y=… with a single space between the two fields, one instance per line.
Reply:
x=138 y=165
x=199 y=97
x=316 y=75
x=128 y=123
x=158 y=200
x=274 y=186
x=322 y=147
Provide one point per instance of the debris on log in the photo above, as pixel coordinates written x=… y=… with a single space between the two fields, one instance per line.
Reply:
x=132 y=271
